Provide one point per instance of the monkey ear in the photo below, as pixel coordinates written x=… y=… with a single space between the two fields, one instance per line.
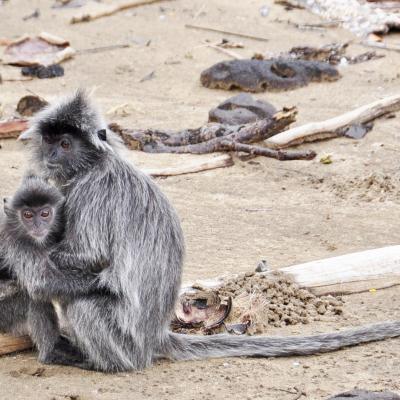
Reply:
x=6 y=205
x=102 y=134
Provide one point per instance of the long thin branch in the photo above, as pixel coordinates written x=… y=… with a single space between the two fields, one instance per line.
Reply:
x=281 y=155
x=334 y=127
x=97 y=10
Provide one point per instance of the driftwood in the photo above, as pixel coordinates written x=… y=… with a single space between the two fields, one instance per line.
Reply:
x=11 y=344
x=350 y=273
x=334 y=127
x=207 y=139
x=12 y=128
x=95 y=10
x=218 y=161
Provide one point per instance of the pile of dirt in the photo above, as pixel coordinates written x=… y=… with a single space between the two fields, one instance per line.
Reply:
x=262 y=301
x=373 y=187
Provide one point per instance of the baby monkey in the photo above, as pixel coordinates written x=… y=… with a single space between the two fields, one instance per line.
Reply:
x=33 y=224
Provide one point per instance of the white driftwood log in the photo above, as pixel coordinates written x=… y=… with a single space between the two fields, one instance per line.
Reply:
x=329 y=128
x=350 y=273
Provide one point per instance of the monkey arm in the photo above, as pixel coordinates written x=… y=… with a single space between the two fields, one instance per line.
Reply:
x=61 y=280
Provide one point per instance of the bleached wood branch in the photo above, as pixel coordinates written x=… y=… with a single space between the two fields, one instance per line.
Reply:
x=350 y=273
x=334 y=126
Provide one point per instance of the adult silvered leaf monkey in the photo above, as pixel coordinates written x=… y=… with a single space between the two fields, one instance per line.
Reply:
x=119 y=223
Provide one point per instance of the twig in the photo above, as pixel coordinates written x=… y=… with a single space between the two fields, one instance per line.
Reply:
x=102 y=48
x=334 y=127
x=225 y=51
x=263 y=151
x=243 y=35
x=97 y=10
x=381 y=45
x=220 y=161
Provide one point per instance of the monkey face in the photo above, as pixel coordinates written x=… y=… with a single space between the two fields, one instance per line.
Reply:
x=66 y=154
x=37 y=221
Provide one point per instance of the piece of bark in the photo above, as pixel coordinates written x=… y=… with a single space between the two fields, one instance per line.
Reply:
x=206 y=139
x=11 y=344
x=347 y=274
x=94 y=10
x=219 y=161
x=334 y=127
x=12 y=128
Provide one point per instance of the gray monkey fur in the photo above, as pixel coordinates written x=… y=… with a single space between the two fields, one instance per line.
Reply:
x=118 y=219
x=21 y=254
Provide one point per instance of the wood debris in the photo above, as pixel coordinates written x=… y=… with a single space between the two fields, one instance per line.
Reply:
x=12 y=128
x=215 y=137
x=334 y=127
x=94 y=10
x=45 y=49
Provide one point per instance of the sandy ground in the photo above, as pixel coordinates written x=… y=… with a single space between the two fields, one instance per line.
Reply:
x=303 y=210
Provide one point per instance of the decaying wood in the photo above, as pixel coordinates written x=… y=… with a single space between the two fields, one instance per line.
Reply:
x=226 y=32
x=11 y=344
x=351 y=273
x=334 y=127
x=94 y=10
x=218 y=161
x=12 y=129
x=206 y=139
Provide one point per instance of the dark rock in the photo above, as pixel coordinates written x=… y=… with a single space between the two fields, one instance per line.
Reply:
x=365 y=395
x=241 y=109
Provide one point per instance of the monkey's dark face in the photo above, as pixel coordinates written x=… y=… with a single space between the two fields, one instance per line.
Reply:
x=66 y=154
x=37 y=221
x=58 y=151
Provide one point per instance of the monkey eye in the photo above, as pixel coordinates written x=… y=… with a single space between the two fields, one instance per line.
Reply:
x=65 y=144
x=45 y=213
x=28 y=214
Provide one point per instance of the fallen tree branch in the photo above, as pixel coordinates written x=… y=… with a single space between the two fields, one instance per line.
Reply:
x=264 y=151
x=11 y=344
x=94 y=10
x=206 y=139
x=12 y=128
x=347 y=274
x=334 y=127
x=220 y=161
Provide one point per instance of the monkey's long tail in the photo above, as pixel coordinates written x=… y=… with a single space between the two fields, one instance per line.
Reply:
x=192 y=347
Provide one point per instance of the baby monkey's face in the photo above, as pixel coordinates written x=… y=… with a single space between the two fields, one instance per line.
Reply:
x=37 y=221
